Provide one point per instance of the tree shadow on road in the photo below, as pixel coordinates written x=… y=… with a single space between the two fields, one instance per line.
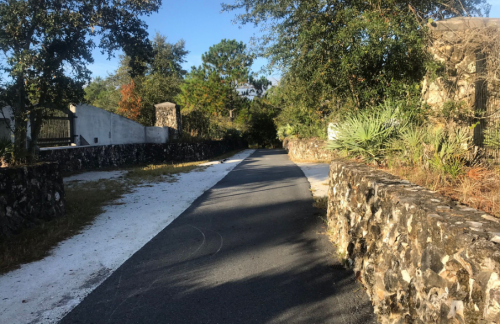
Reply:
x=250 y=250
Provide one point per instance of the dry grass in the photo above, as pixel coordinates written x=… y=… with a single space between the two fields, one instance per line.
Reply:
x=157 y=172
x=321 y=202
x=84 y=202
x=478 y=187
x=310 y=161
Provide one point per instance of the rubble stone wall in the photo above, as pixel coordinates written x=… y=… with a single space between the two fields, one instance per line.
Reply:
x=422 y=258
x=93 y=157
x=308 y=150
x=29 y=195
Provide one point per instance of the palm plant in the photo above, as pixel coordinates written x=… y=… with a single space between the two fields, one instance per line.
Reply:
x=492 y=139
x=367 y=133
x=409 y=145
x=450 y=150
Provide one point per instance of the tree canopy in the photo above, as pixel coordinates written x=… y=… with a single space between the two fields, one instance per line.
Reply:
x=213 y=87
x=355 y=52
x=159 y=81
x=47 y=46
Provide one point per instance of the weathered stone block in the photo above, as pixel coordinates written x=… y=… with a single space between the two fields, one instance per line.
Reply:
x=423 y=258
x=168 y=114
x=308 y=150
x=29 y=196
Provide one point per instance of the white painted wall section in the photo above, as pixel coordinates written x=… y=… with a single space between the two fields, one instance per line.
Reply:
x=156 y=134
x=7 y=116
x=101 y=127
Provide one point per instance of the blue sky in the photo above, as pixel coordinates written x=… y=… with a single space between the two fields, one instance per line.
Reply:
x=201 y=24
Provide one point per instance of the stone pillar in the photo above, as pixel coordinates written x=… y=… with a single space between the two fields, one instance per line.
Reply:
x=168 y=114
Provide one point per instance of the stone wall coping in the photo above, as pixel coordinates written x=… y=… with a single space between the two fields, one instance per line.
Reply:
x=55 y=148
x=165 y=105
x=463 y=23
x=438 y=207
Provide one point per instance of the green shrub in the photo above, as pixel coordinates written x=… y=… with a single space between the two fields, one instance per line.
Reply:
x=5 y=146
x=450 y=150
x=408 y=146
x=285 y=131
x=368 y=133
x=492 y=139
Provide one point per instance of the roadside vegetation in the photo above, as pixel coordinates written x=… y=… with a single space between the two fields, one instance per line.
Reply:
x=443 y=159
x=360 y=65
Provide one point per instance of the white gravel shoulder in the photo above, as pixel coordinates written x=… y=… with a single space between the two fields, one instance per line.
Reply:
x=46 y=290
x=317 y=175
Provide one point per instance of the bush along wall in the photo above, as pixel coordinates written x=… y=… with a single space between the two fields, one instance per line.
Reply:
x=29 y=195
x=307 y=149
x=93 y=157
x=422 y=258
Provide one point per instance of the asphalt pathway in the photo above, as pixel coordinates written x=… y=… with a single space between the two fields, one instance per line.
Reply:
x=250 y=250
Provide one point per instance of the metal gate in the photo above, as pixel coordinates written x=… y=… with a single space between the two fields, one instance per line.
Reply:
x=57 y=129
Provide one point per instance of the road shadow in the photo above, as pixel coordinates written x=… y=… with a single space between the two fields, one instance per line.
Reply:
x=250 y=250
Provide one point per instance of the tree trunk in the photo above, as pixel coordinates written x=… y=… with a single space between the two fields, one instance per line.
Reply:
x=21 y=125
x=36 y=125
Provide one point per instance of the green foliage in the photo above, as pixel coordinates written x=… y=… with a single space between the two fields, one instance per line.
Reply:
x=368 y=133
x=353 y=53
x=408 y=146
x=206 y=92
x=300 y=109
x=47 y=46
x=492 y=139
x=444 y=150
x=5 y=146
x=212 y=87
x=395 y=135
x=209 y=97
x=163 y=78
x=449 y=150
x=103 y=93
x=230 y=60
x=285 y=131
x=159 y=81
x=261 y=127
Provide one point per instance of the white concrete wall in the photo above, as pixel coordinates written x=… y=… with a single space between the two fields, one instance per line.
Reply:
x=92 y=122
x=156 y=134
x=7 y=114
x=4 y=127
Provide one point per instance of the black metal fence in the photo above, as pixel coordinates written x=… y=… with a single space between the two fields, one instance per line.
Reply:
x=56 y=130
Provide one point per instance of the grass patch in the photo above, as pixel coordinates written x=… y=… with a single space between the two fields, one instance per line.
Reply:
x=321 y=202
x=164 y=172
x=155 y=172
x=309 y=160
x=477 y=187
x=84 y=201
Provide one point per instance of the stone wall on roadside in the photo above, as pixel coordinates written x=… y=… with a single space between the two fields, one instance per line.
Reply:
x=29 y=195
x=94 y=157
x=422 y=258
x=309 y=150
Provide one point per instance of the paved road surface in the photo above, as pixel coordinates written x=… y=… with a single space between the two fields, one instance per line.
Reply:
x=250 y=250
